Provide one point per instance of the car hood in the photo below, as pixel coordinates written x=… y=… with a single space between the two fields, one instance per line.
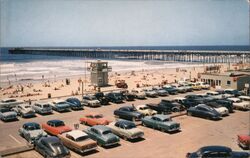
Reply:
x=37 y=133
x=135 y=131
x=26 y=110
x=10 y=113
x=221 y=109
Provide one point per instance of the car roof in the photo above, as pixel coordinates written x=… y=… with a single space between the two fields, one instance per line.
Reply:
x=76 y=134
x=72 y=98
x=244 y=97
x=58 y=100
x=42 y=102
x=24 y=104
x=234 y=99
x=101 y=128
x=215 y=149
x=55 y=121
x=125 y=107
x=50 y=140
x=125 y=122
x=141 y=106
x=31 y=124
x=213 y=92
x=181 y=98
x=162 y=117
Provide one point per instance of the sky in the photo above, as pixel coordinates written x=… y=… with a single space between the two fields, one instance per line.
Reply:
x=82 y=23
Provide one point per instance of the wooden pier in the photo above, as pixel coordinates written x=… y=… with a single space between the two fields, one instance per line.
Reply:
x=204 y=56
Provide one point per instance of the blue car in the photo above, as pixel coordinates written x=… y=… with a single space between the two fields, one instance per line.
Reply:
x=75 y=103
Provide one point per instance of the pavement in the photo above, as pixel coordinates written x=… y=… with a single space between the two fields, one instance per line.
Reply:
x=195 y=133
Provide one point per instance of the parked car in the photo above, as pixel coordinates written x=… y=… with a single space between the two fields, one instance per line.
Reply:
x=102 y=135
x=179 y=88
x=91 y=101
x=220 y=109
x=196 y=86
x=78 y=141
x=7 y=115
x=225 y=103
x=51 y=147
x=204 y=85
x=162 y=122
x=239 y=104
x=24 y=110
x=139 y=93
x=128 y=96
x=203 y=111
x=42 y=107
x=160 y=91
x=31 y=131
x=75 y=103
x=128 y=113
x=10 y=102
x=93 y=119
x=102 y=99
x=223 y=94
x=187 y=87
x=60 y=105
x=145 y=110
x=245 y=99
x=171 y=90
x=179 y=100
x=150 y=92
x=55 y=127
x=114 y=97
x=166 y=106
x=217 y=152
x=233 y=92
x=126 y=129
x=244 y=141
x=195 y=99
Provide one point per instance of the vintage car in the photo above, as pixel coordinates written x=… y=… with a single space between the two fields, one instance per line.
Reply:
x=10 y=102
x=225 y=103
x=171 y=90
x=114 y=97
x=102 y=135
x=24 y=110
x=204 y=85
x=244 y=141
x=91 y=101
x=179 y=100
x=139 y=93
x=145 y=110
x=195 y=86
x=239 y=104
x=160 y=91
x=233 y=92
x=162 y=122
x=203 y=111
x=150 y=92
x=77 y=141
x=75 y=103
x=166 y=106
x=220 y=109
x=93 y=119
x=128 y=113
x=126 y=129
x=55 y=127
x=7 y=115
x=102 y=99
x=245 y=99
x=128 y=96
x=217 y=152
x=31 y=131
x=42 y=107
x=180 y=89
x=60 y=105
x=51 y=147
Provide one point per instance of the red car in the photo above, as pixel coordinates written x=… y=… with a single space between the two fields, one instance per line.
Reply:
x=94 y=119
x=55 y=127
x=244 y=141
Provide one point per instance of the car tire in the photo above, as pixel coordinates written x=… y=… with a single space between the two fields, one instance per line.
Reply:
x=125 y=138
x=162 y=129
x=189 y=113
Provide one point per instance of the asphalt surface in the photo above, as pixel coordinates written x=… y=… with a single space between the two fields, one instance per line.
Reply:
x=195 y=133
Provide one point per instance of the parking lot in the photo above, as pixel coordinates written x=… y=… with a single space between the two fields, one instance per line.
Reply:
x=195 y=132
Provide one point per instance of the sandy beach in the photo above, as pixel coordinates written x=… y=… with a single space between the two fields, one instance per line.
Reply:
x=58 y=88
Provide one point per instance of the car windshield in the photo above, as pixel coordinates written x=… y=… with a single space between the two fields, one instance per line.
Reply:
x=33 y=127
x=92 y=98
x=130 y=126
x=144 y=108
x=56 y=144
x=62 y=102
x=59 y=123
x=10 y=100
x=166 y=120
x=46 y=105
x=106 y=132
x=98 y=116
x=238 y=101
x=82 y=138
x=4 y=110
x=117 y=94
x=27 y=106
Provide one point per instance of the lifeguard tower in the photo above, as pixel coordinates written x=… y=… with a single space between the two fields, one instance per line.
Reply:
x=99 y=73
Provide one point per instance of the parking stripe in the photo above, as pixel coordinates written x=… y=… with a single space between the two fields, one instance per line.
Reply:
x=15 y=139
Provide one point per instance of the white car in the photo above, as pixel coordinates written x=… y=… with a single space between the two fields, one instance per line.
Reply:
x=139 y=93
x=239 y=104
x=245 y=99
x=217 y=95
x=10 y=102
x=91 y=101
x=220 y=109
x=204 y=85
x=24 y=110
x=60 y=105
x=179 y=99
x=145 y=110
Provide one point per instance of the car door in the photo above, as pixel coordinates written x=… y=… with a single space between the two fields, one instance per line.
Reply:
x=90 y=120
x=202 y=112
